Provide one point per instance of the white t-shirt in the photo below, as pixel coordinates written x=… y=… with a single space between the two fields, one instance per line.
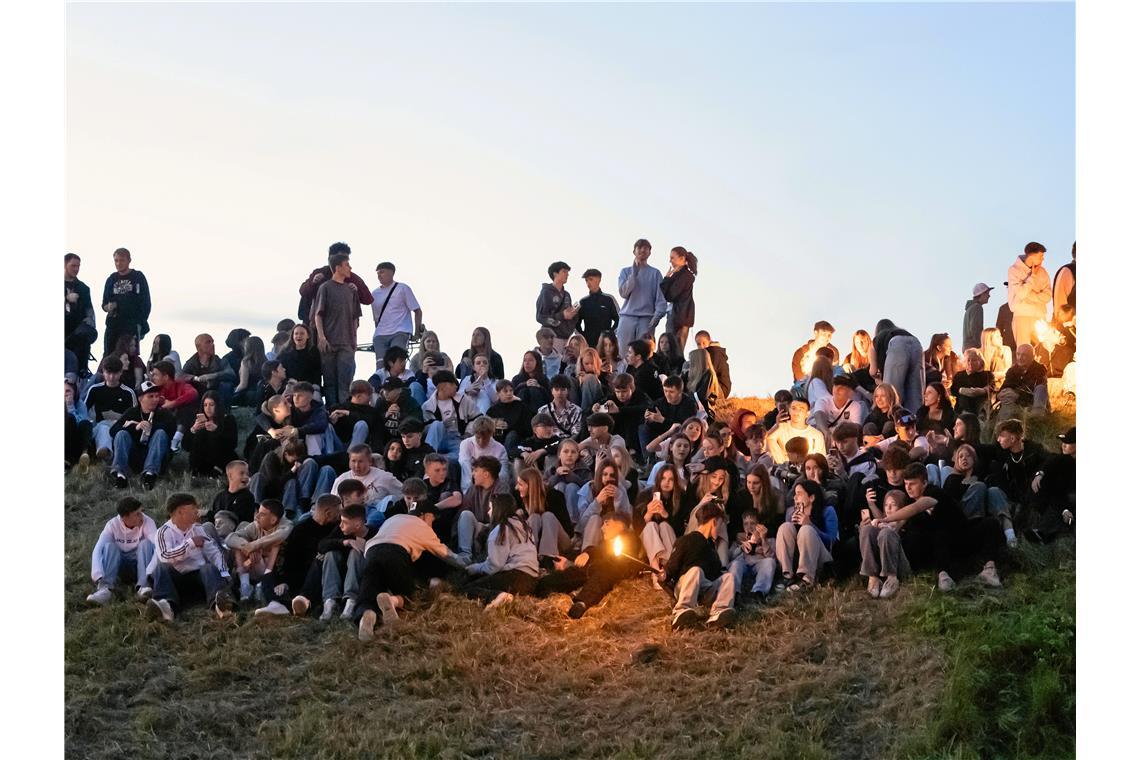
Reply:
x=853 y=413
x=377 y=484
x=784 y=432
x=398 y=315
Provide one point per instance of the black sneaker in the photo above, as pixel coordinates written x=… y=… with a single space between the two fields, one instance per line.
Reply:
x=148 y=480
x=577 y=610
x=120 y=480
x=687 y=619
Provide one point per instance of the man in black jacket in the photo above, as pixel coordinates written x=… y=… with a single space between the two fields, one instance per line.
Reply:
x=336 y=569
x=79 y=330
x=627 y=406
x=597 y=569
x=142 y=439
x=1015 y=466
x=672 y=407
x=719 y=359
x=126 y=300
x=598 y=311
x=553 y=308
x=283 y=582
x=1056 y=488
x=644 y=371
x=696 y=574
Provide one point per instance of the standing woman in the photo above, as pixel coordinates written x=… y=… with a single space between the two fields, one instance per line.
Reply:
x=896 y=358
x=677 y=287
x=701 y=379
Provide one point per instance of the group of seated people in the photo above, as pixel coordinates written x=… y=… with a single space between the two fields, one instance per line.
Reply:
x=582 y=470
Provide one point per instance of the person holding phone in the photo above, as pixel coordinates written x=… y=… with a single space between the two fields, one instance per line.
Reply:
x=554 y=307
x=803 y=543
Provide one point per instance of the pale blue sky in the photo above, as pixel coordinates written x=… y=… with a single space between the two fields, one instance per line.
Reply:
x=840 y=162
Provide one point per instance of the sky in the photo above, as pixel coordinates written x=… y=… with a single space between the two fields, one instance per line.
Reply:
x=845 y=162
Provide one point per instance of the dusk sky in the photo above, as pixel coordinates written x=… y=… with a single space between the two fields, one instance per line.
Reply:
x=843 y=161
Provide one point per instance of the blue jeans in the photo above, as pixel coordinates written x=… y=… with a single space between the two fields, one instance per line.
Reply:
x=381 y=344
x=418 y=393
x=157 y=448
x=337 y=369
x=169 y=584
x=322 y=481
x=115 y=562
x=903 y=369
x=334 y=584
x=441 y=439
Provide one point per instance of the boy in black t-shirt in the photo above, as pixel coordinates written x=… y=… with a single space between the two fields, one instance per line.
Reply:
x=106 y=402
x=355 y=421
x=411 y=435
x=511 y=416
x=236 y=497
x=533 y=451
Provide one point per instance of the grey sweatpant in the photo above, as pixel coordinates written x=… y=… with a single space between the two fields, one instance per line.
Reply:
x=807 y=543
x=882 y=552
x=693 y=589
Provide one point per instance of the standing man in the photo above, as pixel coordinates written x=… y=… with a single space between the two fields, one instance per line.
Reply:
x=126 y=299
x=598 y=311
x=645 y=305
x=1029 y=292
x=1064 y=312
x=393 y=304
x=975 y=318
x=336 y=316
x=308 y=289
x=554 y=308
x=719 y=359
x=805 y=355
x=79 y=330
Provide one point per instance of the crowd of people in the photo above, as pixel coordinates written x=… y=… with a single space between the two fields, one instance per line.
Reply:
x=601 y=459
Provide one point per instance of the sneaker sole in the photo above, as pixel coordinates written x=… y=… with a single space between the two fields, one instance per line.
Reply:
x=725 y=620
x=299 y=609
x=367 y=628
x=387 y=609
x=687 y=619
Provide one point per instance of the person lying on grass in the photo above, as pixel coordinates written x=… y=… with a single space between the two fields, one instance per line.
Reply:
x=189 y=563
x=695 y=573
x=404 y=550
x=595 y=571
x=511 y=566
x=124 y=548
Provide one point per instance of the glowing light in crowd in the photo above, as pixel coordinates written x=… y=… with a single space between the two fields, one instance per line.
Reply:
x=1047 y=335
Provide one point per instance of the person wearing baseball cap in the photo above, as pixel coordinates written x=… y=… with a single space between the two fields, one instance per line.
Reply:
x=142 y=439
x=598 y=311
x=1056 y=491
x=975 y=318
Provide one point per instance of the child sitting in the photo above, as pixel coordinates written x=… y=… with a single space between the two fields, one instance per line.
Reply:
x=753 y=552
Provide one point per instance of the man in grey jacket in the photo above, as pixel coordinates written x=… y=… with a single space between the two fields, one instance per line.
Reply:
x=645 y=305
x=974 y=320
x=554 y=308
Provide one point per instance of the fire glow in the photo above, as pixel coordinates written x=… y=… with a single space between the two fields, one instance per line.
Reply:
x=1047 y=335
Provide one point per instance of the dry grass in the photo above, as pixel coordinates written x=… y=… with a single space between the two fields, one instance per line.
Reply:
x=831 y=674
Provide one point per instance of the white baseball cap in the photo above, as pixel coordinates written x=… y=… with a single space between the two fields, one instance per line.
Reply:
x=980 y=288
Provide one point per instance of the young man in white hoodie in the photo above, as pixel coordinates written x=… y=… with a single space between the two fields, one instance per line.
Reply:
x=1030 y=291
x=188 y=560
x=126 y=544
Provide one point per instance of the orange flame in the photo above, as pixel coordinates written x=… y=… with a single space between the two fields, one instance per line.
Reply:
x=617 y=547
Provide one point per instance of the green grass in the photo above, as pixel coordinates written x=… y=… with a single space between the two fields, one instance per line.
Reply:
x=830 y=675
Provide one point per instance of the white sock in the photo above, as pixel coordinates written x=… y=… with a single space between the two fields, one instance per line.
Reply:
x=1009 y=535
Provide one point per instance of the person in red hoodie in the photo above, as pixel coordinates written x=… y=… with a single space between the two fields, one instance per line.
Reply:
x=178 y=398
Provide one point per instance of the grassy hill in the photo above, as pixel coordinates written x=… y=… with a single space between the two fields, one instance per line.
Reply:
x=831 y=674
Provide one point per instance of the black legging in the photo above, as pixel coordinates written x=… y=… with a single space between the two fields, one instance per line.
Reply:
x=76 y=436
x=488 y=587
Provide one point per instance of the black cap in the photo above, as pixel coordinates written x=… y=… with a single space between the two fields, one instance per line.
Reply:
x=392 y=384
x=423 y=507
x=1069 y=436
x=845 y=380
x=904 y=417
x=591 y=273
x=148 y=387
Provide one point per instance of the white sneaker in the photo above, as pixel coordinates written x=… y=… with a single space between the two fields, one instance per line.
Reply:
x=890 y=587
x=1010 y=538
x=349 y=609
x=176 y=442
x=300 y=606
x=101 y=596
x=273 y=608
x=387 y=608
x=990 y=577
x=945 y=582
x=160 y=608
x=874 y=586
x=367 y=628
x=144 y=593
x=329 y=610
x=499 y=600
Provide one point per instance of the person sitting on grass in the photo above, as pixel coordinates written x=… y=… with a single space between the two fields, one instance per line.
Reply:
x=1026 y=385
x=141 y=439
x=540 y=447
x=753 y=553
x=106 y=402
x=881 y=549
x=1056 y=490
x=597 y=569
x=236 y=497
x=309 y=418
x=600 y=438
x=603 y=495
x=1015 y=465
x=567 y=475
x=973 y=385
x=544 y=508
x=355 y=421
x=474 y=517
x=412 y=436
x=481 y=443
x=378 y=484
x=271 y=428
x=962 y=485
x=272 y=383
x=442 y=491
x=394 y=404
x=125 y=546
x=667 y=413
x=189 y=563
x=284 y=581
x=393 y=559
x=627 y=406
x=566 y=414
x=695 y=573
x=511 y=566
x=906 y=430
x=179 y=398
x=212 y=439
x=809 y=534
x=256 y=546
x=335 y=572
x=938 y=535
x=662 y=511
x=510 y=415
x=287 y=474
x=795 y=427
